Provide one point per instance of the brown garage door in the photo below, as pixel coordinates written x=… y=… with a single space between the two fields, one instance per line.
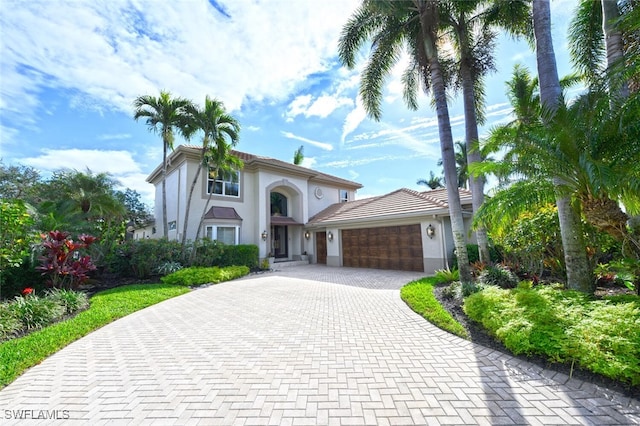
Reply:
x=390 y=247
x=321 y=247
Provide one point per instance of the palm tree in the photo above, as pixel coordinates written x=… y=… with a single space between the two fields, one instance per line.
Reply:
x=394 y=26
x=220 y=161
x=462 y=168
x=434 y=182
x=596 y=38
x=470 y=26
x=164 y=115
x=575 y=254
x=217 y=127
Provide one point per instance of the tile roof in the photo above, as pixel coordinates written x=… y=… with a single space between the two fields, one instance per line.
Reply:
x=403 y=202
x=216 y=212
x=251 y=159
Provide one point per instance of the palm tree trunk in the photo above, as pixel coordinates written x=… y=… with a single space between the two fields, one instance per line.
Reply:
x=613 y=40
x=575 y=254
x=165 y=223
x=188 y=207
x=428 y=16
x=476 y=184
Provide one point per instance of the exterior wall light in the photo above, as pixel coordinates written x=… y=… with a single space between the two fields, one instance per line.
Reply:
x=330 y=236
x=431 y=231
x=264 y=235
x=307 y=235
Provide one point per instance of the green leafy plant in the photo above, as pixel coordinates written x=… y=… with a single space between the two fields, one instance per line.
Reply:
x=36 y=312
x=626 y=271
x=564 y=326
x=498 y=275
x=265 y=265
x=63 y=261
x=10 y=324
x=71 y=301
x=15 y=230
x=447 y=275
x=167 y=268
x=195 y=276
x=418 y=295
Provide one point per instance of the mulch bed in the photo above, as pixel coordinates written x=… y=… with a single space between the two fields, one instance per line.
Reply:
x=478 y=335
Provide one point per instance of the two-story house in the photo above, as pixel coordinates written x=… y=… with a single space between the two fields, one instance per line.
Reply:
x=288 y=210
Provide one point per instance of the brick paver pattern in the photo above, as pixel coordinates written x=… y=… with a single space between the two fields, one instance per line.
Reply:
x=277 y=349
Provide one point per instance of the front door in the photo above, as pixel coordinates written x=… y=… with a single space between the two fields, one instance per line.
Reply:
x=280 y=246
x=321 y=247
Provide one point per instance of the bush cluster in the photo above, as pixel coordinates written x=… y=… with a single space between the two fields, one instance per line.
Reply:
x=564 y=326
x=33 y=312
x=195 y=276
x=498 y=275
x=144 y=258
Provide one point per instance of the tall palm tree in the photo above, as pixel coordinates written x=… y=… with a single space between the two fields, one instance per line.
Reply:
x=393 y=26
x=164 y=115
x=221 y=161
x=575 y=254
x=597 y=41
x=462 y=167
x=471 y=27
x=217 y=127
x=298 y=156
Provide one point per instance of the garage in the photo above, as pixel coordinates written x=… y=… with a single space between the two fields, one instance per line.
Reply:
x=389 y=247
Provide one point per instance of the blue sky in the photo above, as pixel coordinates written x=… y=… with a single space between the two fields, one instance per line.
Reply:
x=70 y=70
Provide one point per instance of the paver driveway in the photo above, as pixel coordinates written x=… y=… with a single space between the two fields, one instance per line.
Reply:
x=277 y=349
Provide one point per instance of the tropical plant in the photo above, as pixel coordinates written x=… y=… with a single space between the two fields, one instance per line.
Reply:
x=15 y=226
x=434 y=182
x=63 y=261
x=414 y=25
x=220 y=131
x=471 y=27
x=164 y=115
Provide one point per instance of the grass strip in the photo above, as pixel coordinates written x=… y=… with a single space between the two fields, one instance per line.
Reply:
x=419 y=296
x=17 y=355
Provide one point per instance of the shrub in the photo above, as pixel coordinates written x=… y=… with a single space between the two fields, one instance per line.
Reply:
x=195 y=276
x=10 y=325
x=63 y=261
x=564 y=326
x=36 y=312
x=473 y=254
x=141 y=258
x=168 y=267
x=14 y=279
x=240 y=255
x=206 y=252
x=71 y=301
x=446 y=275
x=498 y=275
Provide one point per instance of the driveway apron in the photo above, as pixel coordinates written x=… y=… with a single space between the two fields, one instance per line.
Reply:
x=279 y=349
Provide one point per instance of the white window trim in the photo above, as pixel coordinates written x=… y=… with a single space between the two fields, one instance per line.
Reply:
x=214 y=232
x=224 y=182
x=346 y=193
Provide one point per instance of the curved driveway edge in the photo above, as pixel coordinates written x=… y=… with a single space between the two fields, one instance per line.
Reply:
x=279 y=349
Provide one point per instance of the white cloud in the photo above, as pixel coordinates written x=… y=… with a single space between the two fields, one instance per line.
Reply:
x=108 y=53
x=321 y=145
x=321 y=107
x=353 y=119
x=114 y=162
x=252 y=128
x=308 y=162
x=116 y=136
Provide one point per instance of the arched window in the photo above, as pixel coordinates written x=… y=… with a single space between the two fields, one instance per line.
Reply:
x=278 y=204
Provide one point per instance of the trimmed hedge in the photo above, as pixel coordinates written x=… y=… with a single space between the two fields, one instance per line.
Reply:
x=195 y=276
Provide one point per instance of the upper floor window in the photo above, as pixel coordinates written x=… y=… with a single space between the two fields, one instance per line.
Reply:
x=223 y=183
x=344 y=195
x=278 y=204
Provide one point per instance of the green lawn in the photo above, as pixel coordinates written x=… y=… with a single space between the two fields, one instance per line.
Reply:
x=19 y=354
x=419 y=296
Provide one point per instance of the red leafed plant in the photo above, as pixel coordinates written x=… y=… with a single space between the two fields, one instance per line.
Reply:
x=63 y=261
x=27 y=291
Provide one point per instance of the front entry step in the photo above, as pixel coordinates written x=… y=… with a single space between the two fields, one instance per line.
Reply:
x=279 y=264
